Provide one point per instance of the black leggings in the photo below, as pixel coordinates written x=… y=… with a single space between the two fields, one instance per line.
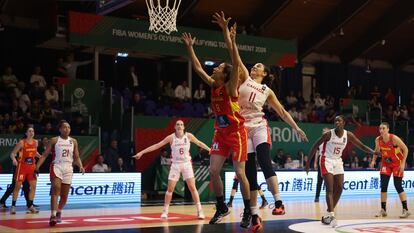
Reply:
x=265 y=162
x=385 y=179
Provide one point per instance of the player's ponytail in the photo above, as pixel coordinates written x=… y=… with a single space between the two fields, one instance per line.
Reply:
x=268 y=79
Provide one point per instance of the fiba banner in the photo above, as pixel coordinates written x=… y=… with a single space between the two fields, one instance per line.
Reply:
x=296 y=184
x=85 y=97
x=95 y=30
x=88 y=149
x=89 y=188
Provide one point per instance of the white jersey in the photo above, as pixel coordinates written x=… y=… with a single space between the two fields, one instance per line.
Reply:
x=252 y=98
x=180 y=149
x=335 y=145
x=63 y=151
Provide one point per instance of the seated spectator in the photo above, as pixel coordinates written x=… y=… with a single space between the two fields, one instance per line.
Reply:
x=200 y=93
x=60 y=71
x=355 y=163
x=9 y=80
x=295 y=114
x=389 y=114
x=301 y=101
x=290 y=164
x=313 y=117
x=168 y=90
x=389 y=97
x=376 y=93
x=374 y=103
x=79 y=127
x=36 y=92
x=120 y=166
x=37 y=77
x=19 y=89
x=280 y=158
x=183 y=92
x=100 y=166
x=24 y=101
x=111 y=154
x=366 y=161
x=319 y=102
x=291 y=99
x=52 y=95
x=404 y=113
x=330 y=116
x=48 y=129
x=138 y=104
x=165 y=157
x=329 y=102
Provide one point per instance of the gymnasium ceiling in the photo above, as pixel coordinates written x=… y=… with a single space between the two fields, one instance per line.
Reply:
x=346 y=29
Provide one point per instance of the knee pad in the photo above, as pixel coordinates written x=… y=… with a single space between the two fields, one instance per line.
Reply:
x=384 y=183
x=265 y=162
x=398 y=184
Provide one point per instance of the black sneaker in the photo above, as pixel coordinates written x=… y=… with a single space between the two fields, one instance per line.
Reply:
x=52 y=221
x=246 y=218
x=3 y=205
x=219 y=215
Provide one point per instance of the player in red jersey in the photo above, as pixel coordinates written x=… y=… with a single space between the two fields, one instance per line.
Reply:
x=230 y=133
x=25 y=168
x=394 y=154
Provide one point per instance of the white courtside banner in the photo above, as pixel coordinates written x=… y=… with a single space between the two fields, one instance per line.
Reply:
x=298 y=184
x=86 y=189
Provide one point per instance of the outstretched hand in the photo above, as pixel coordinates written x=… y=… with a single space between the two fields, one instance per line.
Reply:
x=233 y=32
x=188 y=39
x=302 y=135
x=137 y=155
x=221 y=20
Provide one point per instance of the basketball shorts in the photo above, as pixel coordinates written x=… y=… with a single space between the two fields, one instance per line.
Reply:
x=177 y=169
x=334 y=166
x=387 y=169
x=235 y=141
x=257 y=136
x=62 y=171
x=24 y=172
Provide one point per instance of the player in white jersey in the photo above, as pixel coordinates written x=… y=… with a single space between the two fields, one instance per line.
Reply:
x=180 y=142
x=253 y=96
x=65 y=151
x=334 y=142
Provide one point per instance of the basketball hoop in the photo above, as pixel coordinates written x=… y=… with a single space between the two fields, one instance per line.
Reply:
x=162 y=19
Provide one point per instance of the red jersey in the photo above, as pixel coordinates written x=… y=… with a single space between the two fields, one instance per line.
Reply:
x=391 y=154
x=226 y=109
x=28 y=152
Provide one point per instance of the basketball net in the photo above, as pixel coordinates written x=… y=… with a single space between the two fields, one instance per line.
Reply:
x=162 y=19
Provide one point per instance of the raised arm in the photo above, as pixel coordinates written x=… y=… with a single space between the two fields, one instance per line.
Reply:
x=223 y=22
x=286 y=117
x=189 y=42
x=76 y=156
x=13 y=154
x=198 y=142
x=314 y=148
x=359 y=144
x=166 y=140
x=233 y=84
x=46 y=152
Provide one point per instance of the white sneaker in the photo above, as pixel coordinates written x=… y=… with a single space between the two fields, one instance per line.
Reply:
x=32 y=210
x=326 y=219
x=164 y=214
x=200 y=214
x=382 y=213
x=13 y=210
x=405 y=213
x=333 y=222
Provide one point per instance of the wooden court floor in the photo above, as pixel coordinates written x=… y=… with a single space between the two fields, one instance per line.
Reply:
x=301 y=216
